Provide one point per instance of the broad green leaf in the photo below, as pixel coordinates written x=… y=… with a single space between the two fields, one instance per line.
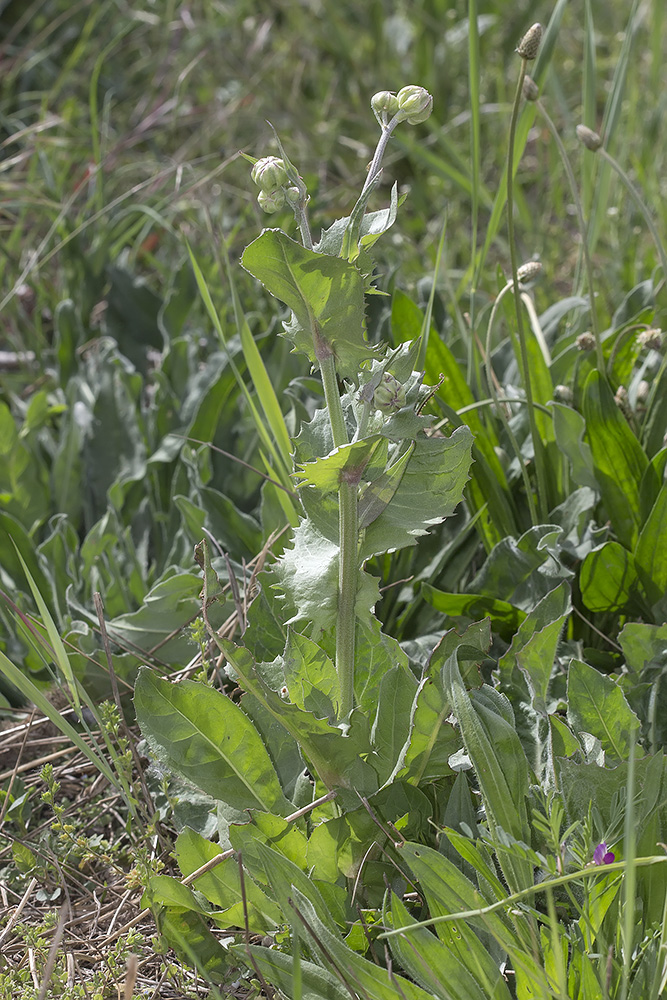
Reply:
x=380 y=491
x=505 y=618
x=363 y=977
x=335 y=758
x=485 y=719
x=597 y=705
x=570 y=429
x=204 y=736
x=353 y=459
x=645 y=649
x=326 y=295
x=222 y=884
x=608 y=578
x=432 y=738
x=315 y=983
x=392 y=721
x=618 y=457
x=376 y=653
x=272 y=831
x=651 y=550
x=434 y=966
x=430 y=489
x=311 y=677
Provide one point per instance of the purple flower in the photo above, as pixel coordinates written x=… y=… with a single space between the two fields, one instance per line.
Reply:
x=601 y=856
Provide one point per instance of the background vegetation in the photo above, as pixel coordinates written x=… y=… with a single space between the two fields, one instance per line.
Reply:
x=126 y=418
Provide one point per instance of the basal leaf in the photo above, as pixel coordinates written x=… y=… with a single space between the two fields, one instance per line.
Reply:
x=618 y=457
x=325 y=294
x=202 y=735
x=570 y=428
x=505 y=618
x=651 y=550
x=278 y=969
x=608 y=578
x=392 y=720
x=597 y=705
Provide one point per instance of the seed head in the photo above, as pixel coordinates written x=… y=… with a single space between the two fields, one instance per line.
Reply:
x=528 y=271
x=586 y=341
x=414 y=104
x=531 y=91
x=651 y=339
x=530 y=43
x=588 y=137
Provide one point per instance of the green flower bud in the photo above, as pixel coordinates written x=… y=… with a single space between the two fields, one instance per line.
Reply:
x=530 y=43
x=384 y=103
x=269 y=173
x=414 y=104
x=389 y=395
x=271 y=201
x=292 y=196
x=588 y=137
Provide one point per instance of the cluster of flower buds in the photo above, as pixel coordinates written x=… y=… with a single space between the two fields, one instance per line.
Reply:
x=389 y=397
x=411 y=104
x=271 y=177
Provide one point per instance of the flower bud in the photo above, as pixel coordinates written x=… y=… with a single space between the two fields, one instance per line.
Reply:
x=590 y=139
x=528 y=271
x=389 y=395
x=384 y=102
x=292 y=196
x=530 y=43
x=586 y=341
x=643 y=391
x=563 y=393
x=271 y=201
x=269 y=173
x=530 y=89
x=414 y=104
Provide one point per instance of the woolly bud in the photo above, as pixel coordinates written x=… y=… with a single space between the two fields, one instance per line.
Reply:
x=563 y=393
x=643 y=390
x=414 y=104
x=530 y=43
x=586 y=341
x=528 y=271
x=530 y=89
x=652 y=339
x=588 y=137
x=384 y=103
x=269 y=173
x=389 y=395
x=271 y=201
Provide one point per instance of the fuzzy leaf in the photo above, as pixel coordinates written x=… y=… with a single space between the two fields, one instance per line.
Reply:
x=597 y=705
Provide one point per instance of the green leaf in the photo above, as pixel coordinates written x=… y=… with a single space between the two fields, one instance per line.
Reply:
x=505 y=618
x=570 y=429
x=618 y=457
x=597 y=705
x=651 y=550
x=608 y=578
x=430 y=489
x=392 y=721
x=278 y=969
x=486 y=721
x=222 y=885
x=434 y=966
x=202 y=735
x=326 y=295
x=325 y=473
x=311 y=677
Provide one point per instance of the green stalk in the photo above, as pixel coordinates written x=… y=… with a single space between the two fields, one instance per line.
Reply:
x=348 y=533
x=537 y=440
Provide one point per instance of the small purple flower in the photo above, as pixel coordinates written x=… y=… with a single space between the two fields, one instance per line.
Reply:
x=601 y=856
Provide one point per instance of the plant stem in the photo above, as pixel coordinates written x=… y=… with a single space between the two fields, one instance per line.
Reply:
x=537 y=440
x=348 y=535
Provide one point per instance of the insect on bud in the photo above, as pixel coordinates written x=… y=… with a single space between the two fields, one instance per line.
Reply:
x=530 y=43
x=389 y=396
x=271 y=201
x=531 y=91
x=414 y=104
x=588 y=137
x=269 y=173
x=528 y=271
x=384 y=103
